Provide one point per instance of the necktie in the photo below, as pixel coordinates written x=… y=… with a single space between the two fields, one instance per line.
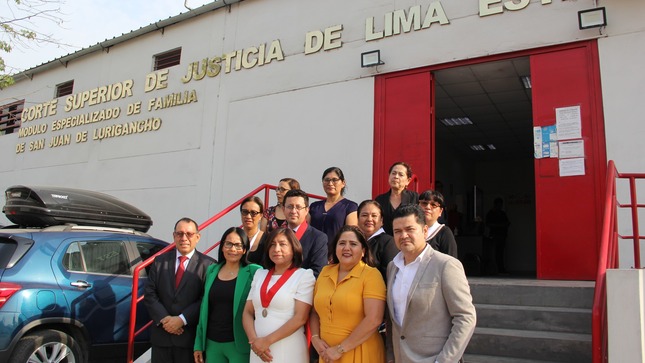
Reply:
x=180 y=270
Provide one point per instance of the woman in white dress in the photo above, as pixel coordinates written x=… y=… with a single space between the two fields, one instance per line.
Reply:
x=279 y=303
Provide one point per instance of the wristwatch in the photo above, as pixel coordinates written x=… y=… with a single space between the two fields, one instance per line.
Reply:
x=340 y=349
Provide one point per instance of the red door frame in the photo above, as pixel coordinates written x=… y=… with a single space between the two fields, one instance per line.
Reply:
x=386 y=151
x=410 y=100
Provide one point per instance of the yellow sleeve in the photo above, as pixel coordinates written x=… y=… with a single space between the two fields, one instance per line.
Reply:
x=373 y=284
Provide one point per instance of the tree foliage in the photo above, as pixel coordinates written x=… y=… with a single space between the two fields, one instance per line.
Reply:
x=19 y=29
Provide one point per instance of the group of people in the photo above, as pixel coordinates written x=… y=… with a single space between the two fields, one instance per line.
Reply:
x=337 y=268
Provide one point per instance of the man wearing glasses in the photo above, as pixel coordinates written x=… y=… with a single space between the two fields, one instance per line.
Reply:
x=173 y=295
x=313 y=241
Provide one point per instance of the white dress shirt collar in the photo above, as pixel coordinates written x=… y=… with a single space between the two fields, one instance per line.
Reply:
x=403 y=283
x=380 y=231
x=433 y=229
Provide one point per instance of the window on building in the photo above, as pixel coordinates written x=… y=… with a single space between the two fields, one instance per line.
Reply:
x=10 y=117
x=167 y=59
x=64 y=89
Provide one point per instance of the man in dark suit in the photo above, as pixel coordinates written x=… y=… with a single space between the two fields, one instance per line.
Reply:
x=313 y=241
x=173 y=296
x=431 y=314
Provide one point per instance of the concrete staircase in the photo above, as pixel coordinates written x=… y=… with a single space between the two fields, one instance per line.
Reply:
x=531 y=321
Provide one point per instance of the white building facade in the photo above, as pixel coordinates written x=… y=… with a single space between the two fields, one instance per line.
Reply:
x=271 y=89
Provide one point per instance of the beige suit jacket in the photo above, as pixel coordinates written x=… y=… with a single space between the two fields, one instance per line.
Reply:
x=440 y=317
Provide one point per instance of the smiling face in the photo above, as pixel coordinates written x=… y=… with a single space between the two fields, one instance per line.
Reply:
x=370 y=219
x=281 y=251
x=185 y=237
x=349 y=250
x=332 y=184
x=233 y=248
x=398 y=178
x=409 y=236
x=251 y=215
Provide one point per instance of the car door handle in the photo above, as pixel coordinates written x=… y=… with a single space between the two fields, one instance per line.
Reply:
x=81 y=284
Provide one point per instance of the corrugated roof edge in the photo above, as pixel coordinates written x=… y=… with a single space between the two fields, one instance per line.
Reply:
x=28 y=74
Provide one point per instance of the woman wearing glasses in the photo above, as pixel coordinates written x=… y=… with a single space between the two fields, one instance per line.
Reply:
x=279 y=302
x=439 y=236
x=251 y=212
x=274 y=217
x=331 y=214
x=220 y=334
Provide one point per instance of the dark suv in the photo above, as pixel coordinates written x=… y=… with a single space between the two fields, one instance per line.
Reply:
x=65 y=289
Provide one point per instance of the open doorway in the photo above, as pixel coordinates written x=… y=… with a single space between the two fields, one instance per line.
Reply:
x=484 y=151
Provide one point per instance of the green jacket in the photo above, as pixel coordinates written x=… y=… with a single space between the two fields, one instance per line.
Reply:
x=242 y=287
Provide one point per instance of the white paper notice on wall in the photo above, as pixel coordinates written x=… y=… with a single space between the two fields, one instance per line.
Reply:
x=572 y=167
x=537 y=142
x=572 y=149
x=568 y=122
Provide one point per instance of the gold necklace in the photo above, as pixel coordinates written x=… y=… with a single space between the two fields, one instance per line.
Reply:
x=230 y=273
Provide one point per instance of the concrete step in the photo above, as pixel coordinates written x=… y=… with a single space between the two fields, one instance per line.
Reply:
x=556 y=319
x=145 y=357
x=476 y=358
x=568 y=294
x=531 y=345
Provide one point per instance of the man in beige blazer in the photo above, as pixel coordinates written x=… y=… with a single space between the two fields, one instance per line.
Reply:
x=431 y=314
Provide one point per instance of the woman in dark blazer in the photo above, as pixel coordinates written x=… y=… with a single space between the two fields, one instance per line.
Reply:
x=220 y=334
x=381 y=244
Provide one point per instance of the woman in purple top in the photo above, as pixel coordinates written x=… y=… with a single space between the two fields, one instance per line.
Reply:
x=331 y=214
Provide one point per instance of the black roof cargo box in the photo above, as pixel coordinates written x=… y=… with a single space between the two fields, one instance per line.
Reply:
x=32 y=206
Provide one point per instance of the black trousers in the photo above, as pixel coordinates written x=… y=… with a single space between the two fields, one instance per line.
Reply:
x=172 y=355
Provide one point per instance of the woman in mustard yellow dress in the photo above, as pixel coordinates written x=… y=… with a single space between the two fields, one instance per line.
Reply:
x=349 y=302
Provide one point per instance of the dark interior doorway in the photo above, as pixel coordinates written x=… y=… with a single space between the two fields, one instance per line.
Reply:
x=484 y=151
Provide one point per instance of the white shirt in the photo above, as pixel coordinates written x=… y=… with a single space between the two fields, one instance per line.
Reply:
x=177 y=255
x=380 y=231
x=189 y=256
x=433 y=229
x=403 y=282
x=252 y=240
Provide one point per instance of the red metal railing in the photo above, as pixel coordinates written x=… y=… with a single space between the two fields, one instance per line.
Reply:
x=137 y=271
x=414 y=181
x=608 y=253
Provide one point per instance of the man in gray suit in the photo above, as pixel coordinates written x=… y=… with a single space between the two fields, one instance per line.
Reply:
x=431 y=314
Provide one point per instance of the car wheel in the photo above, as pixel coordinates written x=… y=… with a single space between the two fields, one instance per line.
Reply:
x=47 y=346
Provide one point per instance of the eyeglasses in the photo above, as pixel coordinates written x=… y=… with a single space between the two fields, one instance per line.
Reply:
x=281 y=189
x=430 y=205
x=188 y=235
x=331 y=180
x=253 y=213
x=231 y=245
x=296 y=207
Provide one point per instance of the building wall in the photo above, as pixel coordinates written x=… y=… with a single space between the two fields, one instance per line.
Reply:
x=621 y=54
x=291 y=117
